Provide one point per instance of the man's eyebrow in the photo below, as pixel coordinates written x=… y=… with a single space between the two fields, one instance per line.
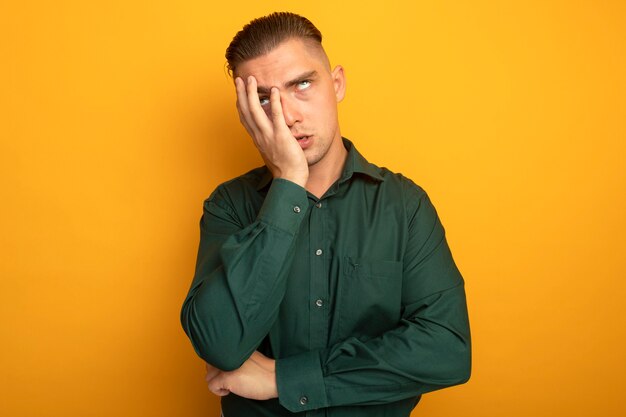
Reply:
x=302 y=77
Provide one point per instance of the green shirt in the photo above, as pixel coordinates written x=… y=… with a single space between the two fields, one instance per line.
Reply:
x=355 y=294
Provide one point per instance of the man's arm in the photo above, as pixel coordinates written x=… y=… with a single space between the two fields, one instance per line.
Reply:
x=427 y=350
x=241 y=272
x=241 y=269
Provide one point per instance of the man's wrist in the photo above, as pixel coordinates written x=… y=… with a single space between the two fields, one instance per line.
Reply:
x=270 y=365
x=285 y=206
x=300 y=382
x=299 y=179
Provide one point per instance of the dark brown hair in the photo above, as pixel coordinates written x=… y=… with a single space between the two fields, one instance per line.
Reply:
x=265 y=33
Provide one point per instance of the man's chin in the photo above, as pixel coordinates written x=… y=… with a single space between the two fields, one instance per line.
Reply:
x=313 y=159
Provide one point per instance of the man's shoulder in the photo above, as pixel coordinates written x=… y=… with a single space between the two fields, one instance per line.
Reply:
x=252 y=178
x=242 y=185
x=397 y=181
x=384 y=177
x=404 y=194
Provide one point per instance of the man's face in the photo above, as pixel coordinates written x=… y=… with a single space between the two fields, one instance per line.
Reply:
x=309 y=93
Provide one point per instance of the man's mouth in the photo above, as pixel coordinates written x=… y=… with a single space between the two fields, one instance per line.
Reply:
x=304 y=141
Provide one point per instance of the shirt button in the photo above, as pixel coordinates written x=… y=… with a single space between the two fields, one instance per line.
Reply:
x=318 y=205
x=319 y=303
x=304 y=400
x=318 y=252
x=296 y=209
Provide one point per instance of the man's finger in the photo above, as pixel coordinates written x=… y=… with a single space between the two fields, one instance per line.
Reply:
x=277 y=109
x=242 y=107
x=246 y=124
x=254 y=106
x=216 y=386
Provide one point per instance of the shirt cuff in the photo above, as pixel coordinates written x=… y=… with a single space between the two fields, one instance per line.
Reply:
x=285 y=206
x=300 y=382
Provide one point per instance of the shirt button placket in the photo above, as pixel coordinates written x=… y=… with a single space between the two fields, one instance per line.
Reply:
x=318 y=290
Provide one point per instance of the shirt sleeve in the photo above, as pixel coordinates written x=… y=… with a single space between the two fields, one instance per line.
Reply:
x=427 y=350
x=240 y=275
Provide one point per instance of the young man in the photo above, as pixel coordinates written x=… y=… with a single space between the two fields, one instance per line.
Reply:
x=323 y=283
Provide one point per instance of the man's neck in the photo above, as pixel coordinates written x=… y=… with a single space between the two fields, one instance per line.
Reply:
x=324 y=174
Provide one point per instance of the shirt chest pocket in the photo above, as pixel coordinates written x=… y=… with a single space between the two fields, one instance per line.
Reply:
x=369 y=296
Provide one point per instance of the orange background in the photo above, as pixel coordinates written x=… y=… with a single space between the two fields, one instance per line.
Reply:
x=117 y=120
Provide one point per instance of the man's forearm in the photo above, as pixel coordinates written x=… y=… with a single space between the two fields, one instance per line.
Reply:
x=255 y=379
x=428 y=350
x=241 y=276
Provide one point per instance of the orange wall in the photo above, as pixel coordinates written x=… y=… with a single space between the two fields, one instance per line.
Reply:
x=117 y=120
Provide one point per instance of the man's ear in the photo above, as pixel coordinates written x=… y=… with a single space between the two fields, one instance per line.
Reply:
x=339 y=82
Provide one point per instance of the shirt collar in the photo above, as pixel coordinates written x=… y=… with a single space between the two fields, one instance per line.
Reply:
x=355 y=163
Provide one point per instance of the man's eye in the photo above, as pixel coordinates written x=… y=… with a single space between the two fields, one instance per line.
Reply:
x=303 y=85
x=264 y=101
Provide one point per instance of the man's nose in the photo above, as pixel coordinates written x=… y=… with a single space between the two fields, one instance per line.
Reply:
x=291 y=110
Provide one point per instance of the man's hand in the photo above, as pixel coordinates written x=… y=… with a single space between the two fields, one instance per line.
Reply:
x=278 y=147
x=256 y=379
